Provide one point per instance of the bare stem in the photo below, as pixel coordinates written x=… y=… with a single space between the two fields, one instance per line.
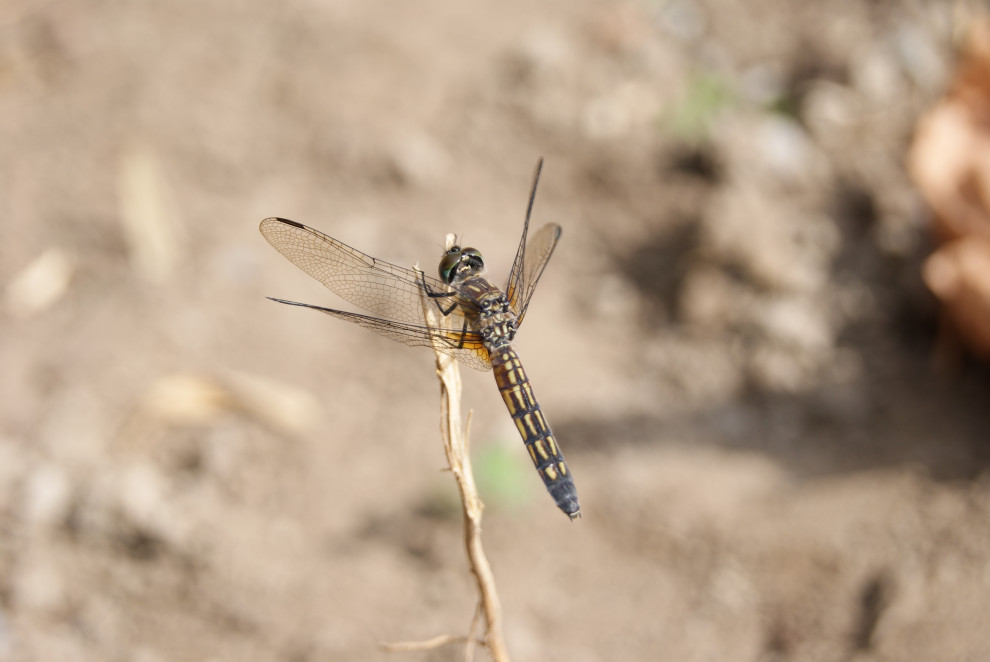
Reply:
x=428 y=644
x=455 y=443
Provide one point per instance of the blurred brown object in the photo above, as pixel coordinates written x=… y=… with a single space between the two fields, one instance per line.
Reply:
x=41 y=284
x=183 y=399
x=149 y=215
x=959 y=275
x=950 y=163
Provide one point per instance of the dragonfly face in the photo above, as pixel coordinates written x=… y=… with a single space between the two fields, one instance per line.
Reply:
x=460 y=263
x=477 y=320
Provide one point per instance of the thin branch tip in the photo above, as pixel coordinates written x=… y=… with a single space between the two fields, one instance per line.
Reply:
x=455 y=442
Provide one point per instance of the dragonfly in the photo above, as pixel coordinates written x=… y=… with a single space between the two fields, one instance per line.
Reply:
x=461 y=314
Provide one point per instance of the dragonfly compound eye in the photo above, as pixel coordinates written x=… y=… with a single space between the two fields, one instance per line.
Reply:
x=447 y=264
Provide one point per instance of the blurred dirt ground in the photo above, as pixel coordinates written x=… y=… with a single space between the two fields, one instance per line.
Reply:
x=733 y=341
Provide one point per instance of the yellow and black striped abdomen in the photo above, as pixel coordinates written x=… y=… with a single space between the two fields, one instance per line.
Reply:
x=540 y=442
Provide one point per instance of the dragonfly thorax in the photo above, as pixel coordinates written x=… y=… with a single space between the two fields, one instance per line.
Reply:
x=488 y=306
x=460 y=263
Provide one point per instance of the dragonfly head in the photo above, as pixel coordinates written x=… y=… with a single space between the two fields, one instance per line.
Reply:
x=459 y=263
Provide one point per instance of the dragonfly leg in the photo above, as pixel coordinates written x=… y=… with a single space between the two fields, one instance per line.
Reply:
x=437 y=295
x=464 y=331
x=448 y=339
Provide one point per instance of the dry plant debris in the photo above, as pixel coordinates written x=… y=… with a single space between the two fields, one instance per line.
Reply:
x=950 y=162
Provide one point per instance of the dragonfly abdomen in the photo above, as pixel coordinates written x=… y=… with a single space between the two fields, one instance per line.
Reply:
x=517 y=393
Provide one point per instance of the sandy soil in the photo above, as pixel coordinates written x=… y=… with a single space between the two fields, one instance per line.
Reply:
x=732 y=340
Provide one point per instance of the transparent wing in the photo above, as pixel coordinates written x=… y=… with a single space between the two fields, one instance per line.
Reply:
x=531 y=257
x=381 y=288
x=463 y=345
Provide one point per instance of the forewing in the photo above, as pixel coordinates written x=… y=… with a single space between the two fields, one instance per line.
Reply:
x=381 y=288
x=463 y=345
x=512 y=288
x=531 y=256
x=538 y=252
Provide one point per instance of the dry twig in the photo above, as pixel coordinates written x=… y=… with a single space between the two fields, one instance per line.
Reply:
x=455 y=443
x=427 y=644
